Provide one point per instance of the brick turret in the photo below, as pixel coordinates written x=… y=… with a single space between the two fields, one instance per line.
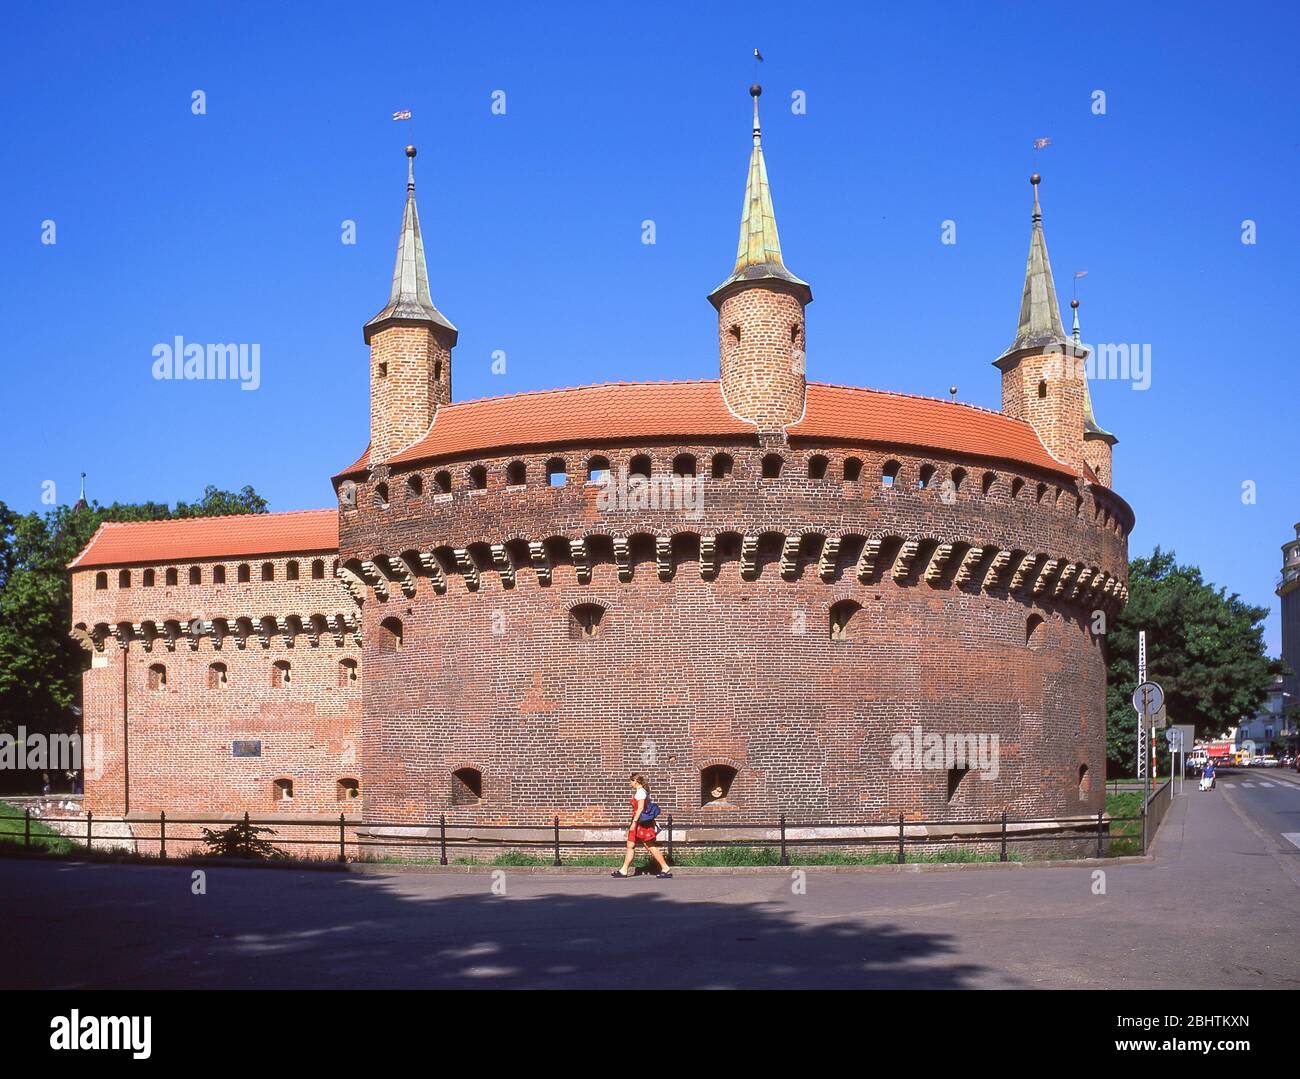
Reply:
x=1044 y=376
x=410 y=346
x=761 y=333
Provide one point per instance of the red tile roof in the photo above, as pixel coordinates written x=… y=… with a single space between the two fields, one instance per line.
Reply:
x=897 y=419
x=124 y=542
x=614 y=410
x=357 y=467
x=696 y=410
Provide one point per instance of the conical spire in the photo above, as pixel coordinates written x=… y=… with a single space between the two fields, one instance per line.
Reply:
x=758 y=255
x=1091 y=428
x=1040 y=317
x=409 y=301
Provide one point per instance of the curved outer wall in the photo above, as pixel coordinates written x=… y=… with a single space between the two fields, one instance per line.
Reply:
x=735 y=665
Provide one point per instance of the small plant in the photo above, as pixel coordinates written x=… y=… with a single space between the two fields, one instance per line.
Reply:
x=240 y=841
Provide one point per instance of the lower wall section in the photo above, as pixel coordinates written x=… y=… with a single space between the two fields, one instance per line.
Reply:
x=207 y=731
x=508 y=688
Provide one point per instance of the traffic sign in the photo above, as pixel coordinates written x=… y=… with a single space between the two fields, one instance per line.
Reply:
x=1148 y=698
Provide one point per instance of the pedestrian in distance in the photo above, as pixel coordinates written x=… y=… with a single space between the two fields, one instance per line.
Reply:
x=1207 y=777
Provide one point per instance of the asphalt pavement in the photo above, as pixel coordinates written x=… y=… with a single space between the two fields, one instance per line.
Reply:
x=1215 y=908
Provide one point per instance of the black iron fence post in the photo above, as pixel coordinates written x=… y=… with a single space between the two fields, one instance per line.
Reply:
x=1144 y=826
x=557 y=840
x=670 y=839
x=902 y=856
x=1099 y=848
x=90 y=825
x=343 y=853
x=442 y=839
x=27 y=826
x=248 y=837
x=785 y=858
x=162 y=834
x=1003 y=856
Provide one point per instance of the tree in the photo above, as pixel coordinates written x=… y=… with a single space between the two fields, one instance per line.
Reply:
x=1204 y=647
x=216 y=503
x=40 y=666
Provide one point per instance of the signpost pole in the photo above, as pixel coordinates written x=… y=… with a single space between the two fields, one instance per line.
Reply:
x=1141 y=732
x=1148 y=702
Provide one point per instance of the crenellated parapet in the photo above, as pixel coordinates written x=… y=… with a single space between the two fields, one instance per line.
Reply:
x=938 y=562
x=318 y=629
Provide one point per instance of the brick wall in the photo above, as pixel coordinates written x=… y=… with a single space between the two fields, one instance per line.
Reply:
x=410 y=376
x=735 y=665
x=1047 y=391
x=180 y=735
x=1097 y=452
x=761 y=338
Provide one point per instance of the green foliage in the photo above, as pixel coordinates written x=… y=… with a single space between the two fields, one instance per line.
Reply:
x=40 y=666
x=742 y=856
x=240 y=841
x=14 y=831
x=1204 y=647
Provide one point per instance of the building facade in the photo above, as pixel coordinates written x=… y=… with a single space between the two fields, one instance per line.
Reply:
x=755 y=588
x=1288 y=592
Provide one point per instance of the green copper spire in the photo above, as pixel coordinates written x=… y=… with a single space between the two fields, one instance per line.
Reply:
x=1091 y=428
x=1040 y=317
x=758 y=255
x=409 y=302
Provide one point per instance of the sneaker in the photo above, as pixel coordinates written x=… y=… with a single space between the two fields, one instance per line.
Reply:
x=664 y=876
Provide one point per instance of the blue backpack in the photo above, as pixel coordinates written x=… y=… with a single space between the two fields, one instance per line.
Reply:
x=649 y=813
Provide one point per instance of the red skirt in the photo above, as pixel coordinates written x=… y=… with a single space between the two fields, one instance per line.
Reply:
x=642 y=833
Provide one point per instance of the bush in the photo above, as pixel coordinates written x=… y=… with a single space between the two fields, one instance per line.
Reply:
x=240 y=841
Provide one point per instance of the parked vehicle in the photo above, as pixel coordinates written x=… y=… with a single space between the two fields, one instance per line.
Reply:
x=1220 y=752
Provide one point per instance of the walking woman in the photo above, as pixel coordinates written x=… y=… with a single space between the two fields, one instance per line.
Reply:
x=642 y=832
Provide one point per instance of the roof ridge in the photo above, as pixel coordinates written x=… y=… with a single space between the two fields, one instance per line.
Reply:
x=587 y=386
x=917 y=397
x=213 y=517
x=89 y=543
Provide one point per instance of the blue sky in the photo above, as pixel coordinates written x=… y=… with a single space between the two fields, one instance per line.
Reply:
x=226 y=226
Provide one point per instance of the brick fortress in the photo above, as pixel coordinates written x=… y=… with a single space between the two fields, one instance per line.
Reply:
x=479 y=629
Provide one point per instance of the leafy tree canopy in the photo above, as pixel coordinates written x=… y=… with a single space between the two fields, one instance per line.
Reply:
x=1204 y=647
x=40 y=666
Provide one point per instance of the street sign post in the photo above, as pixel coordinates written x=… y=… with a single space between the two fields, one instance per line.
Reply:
x=1148 y=700
x=1174 y=736
x=1141 y=730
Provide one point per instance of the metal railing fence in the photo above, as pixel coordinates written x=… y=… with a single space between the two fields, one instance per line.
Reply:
x=349 y=839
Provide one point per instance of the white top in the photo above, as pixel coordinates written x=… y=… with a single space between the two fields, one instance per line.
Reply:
x=641 y=793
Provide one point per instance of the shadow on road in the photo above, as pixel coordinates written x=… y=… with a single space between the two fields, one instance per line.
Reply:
x=106 y=926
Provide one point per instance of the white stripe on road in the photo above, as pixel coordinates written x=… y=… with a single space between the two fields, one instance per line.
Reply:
x=1292 y=837
x=1263 y=784
x=1247 y=785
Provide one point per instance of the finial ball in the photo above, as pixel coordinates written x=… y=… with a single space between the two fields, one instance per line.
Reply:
x=410 y=151
x=1035 y=179
x=755 y=90
x=1074 y=304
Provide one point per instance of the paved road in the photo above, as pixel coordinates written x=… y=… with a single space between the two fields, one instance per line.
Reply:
x=1270 y=800
x=1174 y=922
